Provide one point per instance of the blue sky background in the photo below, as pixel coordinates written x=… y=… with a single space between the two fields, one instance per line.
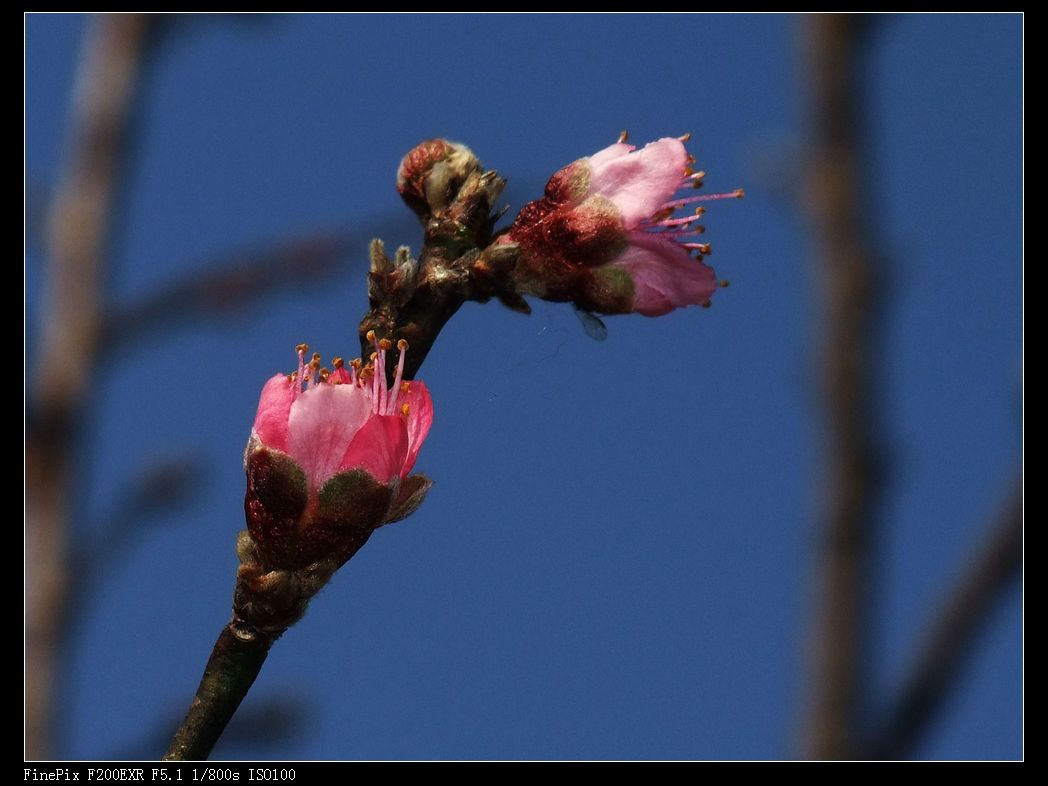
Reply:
x=615 y=561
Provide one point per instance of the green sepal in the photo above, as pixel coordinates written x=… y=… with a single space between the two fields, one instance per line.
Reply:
x=413 y=490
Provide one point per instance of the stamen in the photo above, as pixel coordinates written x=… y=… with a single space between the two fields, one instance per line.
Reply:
x=707 y=304
x=394 y=393
x=685 y=137
x=675 y=203
x=696 y=230
x=378 y=389
x=339 y=376
x=624 y=136
x=724 y=283
x=404 y=409
x=738 y=193
x=692 y=179
x=301 y=349
x=672 y=222
x=314 y=370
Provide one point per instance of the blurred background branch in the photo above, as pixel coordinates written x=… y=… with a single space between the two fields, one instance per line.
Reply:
x=850 y=285
x=77 y=238
x=229 y=284
x=951 y=633
x=80 y=330
x=848 y=288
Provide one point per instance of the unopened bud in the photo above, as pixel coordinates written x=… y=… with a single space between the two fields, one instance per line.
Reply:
x=431 y=174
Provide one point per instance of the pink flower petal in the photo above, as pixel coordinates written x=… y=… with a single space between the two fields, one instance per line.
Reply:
x=601 y=157
x=419 y=419
x=664 y=276
x=642 y=182
x=322 y=424
x=380 y=448
x=274 y=405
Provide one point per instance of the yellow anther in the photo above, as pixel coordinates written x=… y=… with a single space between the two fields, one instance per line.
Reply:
x=371 y=336
x=685 y=137
x=705 y=249
x=302 y=348
x=402 y=345
x=404 y=409
x=740 y=193
x=338 y=362
x=405 y=387
x=385 y=344
x=624 y=136
x=724 y=283
x=707 y=304
x=316 y=357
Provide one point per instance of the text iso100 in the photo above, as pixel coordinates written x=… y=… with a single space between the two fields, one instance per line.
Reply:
x=270 y=774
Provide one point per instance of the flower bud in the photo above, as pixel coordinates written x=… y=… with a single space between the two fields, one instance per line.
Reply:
x=431 y=174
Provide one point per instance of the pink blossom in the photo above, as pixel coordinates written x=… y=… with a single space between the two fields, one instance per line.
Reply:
x=331 y=422
x=330 y=455
x=606 y=238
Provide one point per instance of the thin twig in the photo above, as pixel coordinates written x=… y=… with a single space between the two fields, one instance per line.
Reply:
x=265 y=721
x=410 y=300
x=230 y=672
x=77 y=238
x=952 y=631
x=848 y=293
